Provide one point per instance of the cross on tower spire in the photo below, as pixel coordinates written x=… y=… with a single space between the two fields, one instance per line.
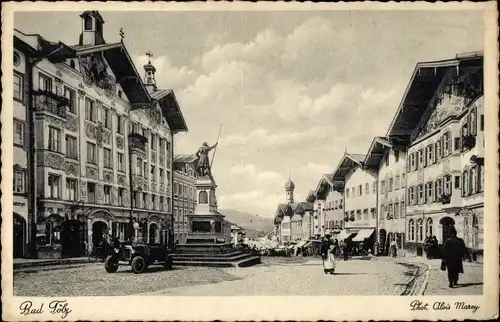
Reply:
x=149 y=54
x=122 y=34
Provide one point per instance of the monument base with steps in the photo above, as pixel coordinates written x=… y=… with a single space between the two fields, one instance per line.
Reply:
x=212 y=255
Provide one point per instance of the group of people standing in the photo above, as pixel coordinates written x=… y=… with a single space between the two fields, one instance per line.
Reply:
x=431 y=247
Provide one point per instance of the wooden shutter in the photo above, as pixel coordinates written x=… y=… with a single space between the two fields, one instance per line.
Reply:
x=424 y=156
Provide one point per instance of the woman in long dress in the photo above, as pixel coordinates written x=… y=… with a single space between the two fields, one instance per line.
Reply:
x=329 y=261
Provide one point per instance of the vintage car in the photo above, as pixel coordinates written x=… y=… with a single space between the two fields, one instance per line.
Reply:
x=139 y=256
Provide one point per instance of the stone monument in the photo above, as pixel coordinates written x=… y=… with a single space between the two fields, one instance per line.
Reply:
x=206 y=244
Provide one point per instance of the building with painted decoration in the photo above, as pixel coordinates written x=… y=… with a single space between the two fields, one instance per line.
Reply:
x=103 y=147
x=441 y=120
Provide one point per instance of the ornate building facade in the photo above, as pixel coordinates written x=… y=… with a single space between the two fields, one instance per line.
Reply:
x=184 y=193
x=444 y=132
x=293 y=220
x=103 y=145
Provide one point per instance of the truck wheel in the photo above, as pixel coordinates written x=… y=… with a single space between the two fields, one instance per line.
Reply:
x=111 y=264
x=138 y=265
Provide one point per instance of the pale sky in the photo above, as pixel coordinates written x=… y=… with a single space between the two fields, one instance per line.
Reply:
x=292 y=89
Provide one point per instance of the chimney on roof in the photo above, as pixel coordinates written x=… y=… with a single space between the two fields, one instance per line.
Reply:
x=92 y=33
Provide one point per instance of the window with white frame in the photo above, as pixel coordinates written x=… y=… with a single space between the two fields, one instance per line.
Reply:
x=428 y=188
x=70 y=94
x=367 y=188
x=437 y=150
x=430 y=154
x=428 y=227
x=121 y=196
x=91 y=190
x=420 y=230
x=121 y=161
x=421 y=156
x=411 y=230
x=18 y=132
x=108 y=160
x=162 y=175
x=71 y=186
x=412 y=192
x=447 y=184
x=91 y=153
x=54 y=139
x=19 y=181
x=360 y=190
x=439 y=188
x=153 y=201
x=90 y=110
x=54 y=186
x=403 y=180
x=412 y=162
x=107 y=118
x=44 y=83
x=391 y=184
x=403 y=208
x=18 y=87
x=138 y=167
x=446 y=143
x=396 y=183
x=119 y=124
x=421 y=194
x=107 y=194
x=145 y=168
x=396 y=209
x=71 y=147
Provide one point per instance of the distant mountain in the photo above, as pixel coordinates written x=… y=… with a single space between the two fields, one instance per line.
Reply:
x=253 y=224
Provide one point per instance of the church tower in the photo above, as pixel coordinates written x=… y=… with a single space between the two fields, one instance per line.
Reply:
x=289 y=187
x=92 y=33
x=149 y=78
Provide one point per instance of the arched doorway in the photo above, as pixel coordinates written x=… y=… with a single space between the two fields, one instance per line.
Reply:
x=70 y=238
x=153 y=233
x=447 y=226
x=99 y=228
x=19 y=235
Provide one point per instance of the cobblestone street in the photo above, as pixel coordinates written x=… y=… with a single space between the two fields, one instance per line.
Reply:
x=273 y=277
x=470 y=282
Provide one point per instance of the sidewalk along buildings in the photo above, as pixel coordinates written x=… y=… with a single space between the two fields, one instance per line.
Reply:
x=103 y=136
x=24 y=222
x=293 y=220
x=388 y=160
x=441 y=120
x=184 y=195
x=328 y=206
x=360 y=200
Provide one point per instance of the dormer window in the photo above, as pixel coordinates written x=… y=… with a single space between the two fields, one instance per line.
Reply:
x=88 y=23
x=72 y=64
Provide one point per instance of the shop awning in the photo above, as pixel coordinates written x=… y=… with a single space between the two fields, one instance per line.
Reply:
x=362 y=234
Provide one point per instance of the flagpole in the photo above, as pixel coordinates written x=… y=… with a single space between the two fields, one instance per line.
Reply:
x=215 y=150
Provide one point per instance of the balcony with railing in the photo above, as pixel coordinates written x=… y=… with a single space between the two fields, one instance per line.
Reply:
x=137 y=142
x=51 y=103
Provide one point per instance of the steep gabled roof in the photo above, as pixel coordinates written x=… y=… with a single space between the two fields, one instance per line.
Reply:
x=376 y=152
x=311 y=196
x=171 y=110
x=424 y=82
x=123 y=67
x=346 y=164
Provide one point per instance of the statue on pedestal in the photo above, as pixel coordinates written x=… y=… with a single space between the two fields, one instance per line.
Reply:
x=204 y=166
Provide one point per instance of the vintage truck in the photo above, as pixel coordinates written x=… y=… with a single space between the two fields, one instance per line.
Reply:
x=139 y=256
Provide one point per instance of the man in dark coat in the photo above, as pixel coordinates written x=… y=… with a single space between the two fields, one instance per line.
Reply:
x=453 y=252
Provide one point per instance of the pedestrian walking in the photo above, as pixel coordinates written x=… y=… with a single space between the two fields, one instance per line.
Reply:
x=393 y=248
x=453 y=252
